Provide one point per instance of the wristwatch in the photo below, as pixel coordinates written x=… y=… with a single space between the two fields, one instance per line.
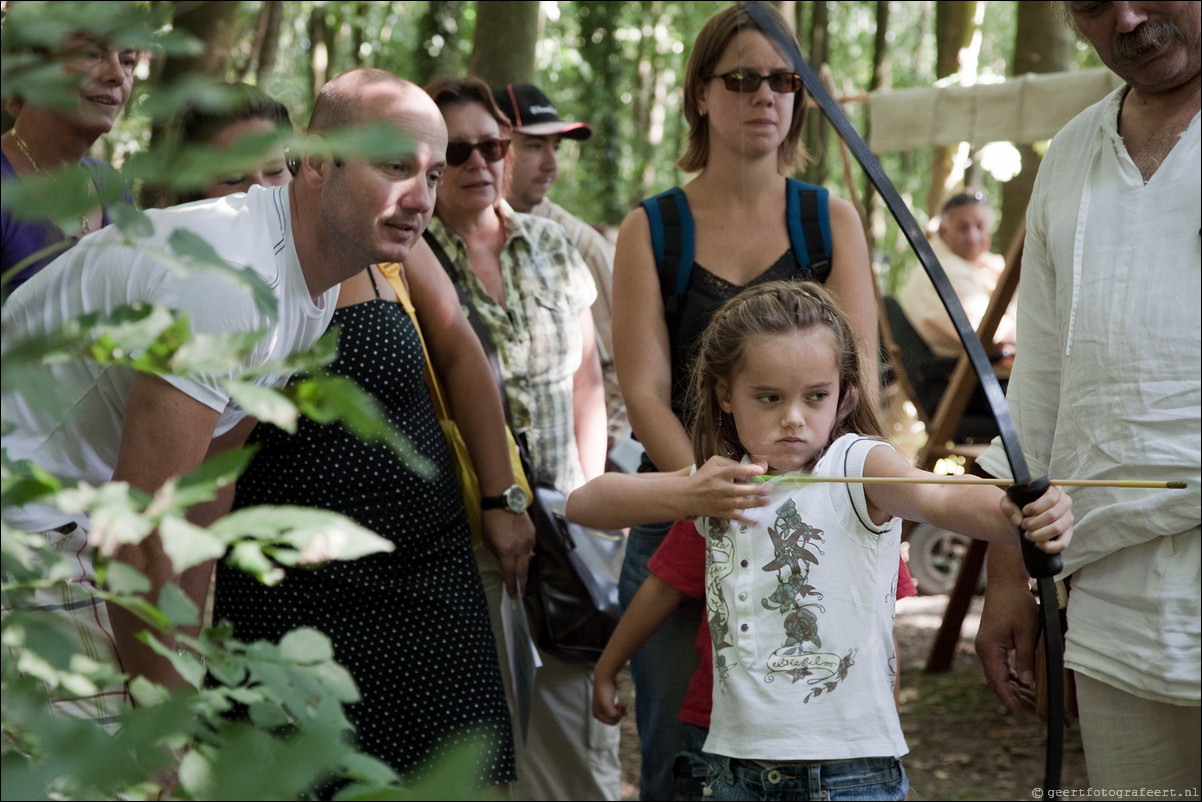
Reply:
x=514 y=499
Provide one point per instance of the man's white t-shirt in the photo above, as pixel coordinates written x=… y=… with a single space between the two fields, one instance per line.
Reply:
x=77 y=433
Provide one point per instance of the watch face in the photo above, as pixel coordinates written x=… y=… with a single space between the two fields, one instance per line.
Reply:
x=516 y=499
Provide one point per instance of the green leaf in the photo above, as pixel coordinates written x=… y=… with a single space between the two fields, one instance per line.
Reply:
x=187 y=664
x=121 y=578
x=248 y=557
x=218 y=354
x=115 y=512
x=264 y=403
x=195 y=770
x=144 y=334
x=267 y=716
x=374 y=142
x=134 y=224
x=26 y=483
x=216 y=472
x=147 y=693
x=150 y=614
x=186 y=544
x=306 y=646
x=199 y=254
x=62 y=196
x=337 y=398
x=176 y=605
x=312 y=535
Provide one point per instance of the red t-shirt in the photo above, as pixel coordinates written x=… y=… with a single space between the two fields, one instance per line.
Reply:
x=680 y=561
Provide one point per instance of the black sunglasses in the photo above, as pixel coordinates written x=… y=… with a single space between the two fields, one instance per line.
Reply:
x=747 y=82
x=493 y=150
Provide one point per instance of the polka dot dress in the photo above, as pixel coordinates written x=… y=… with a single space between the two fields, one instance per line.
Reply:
x=411 y=626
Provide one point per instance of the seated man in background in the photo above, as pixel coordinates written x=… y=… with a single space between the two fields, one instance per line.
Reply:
x=962 y=246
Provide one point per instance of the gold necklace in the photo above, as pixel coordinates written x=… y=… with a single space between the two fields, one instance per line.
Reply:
x=37 y=168
x=85 y=225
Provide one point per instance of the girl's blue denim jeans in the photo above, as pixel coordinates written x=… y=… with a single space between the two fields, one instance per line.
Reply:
x=860 y=778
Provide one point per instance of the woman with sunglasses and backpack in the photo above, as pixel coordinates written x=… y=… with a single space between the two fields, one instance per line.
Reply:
x=532 y=290
x=745 y=106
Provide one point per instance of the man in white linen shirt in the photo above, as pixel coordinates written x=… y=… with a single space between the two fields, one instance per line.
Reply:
x=1106 y=385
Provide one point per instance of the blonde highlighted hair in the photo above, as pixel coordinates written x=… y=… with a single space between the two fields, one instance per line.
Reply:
x=776 y=308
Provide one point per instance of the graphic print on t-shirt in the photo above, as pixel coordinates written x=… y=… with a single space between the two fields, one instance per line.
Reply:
x=796 y=548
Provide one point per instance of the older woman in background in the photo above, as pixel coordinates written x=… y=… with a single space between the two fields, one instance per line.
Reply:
x=533 y=292
x=45 y=139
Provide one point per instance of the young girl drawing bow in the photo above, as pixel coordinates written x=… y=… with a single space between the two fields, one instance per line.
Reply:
x=800 y=578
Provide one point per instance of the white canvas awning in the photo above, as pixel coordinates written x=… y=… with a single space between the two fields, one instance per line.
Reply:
x=1021 y=110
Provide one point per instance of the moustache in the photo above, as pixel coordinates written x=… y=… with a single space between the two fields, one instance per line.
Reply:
x=1149 y=36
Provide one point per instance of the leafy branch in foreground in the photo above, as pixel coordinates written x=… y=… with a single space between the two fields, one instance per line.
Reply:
x=184 y=742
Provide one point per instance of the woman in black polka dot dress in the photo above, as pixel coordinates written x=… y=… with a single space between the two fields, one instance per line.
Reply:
x=411 y=626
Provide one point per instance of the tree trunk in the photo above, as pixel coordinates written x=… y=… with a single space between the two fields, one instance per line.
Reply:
x=1042 y=43
x=214 y=24
x=954 y=29
x=267 y=42
x=599 y=49
x=358 y=35
x=271 y=41
x=648 y=114
x=503 y=46
x=319 y=49
x=816 y=133
x=882 y=78
x=790 y=11
x=438 y=29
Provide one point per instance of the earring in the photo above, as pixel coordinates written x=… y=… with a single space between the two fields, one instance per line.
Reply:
x=719 y=420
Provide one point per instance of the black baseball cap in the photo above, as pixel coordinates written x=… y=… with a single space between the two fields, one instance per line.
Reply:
x=532 y=114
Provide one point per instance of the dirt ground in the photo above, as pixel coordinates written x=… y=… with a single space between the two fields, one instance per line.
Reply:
x=963 y=743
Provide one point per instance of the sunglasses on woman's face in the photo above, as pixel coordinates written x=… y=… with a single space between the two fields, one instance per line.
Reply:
x=748 y=82
x=493 y=150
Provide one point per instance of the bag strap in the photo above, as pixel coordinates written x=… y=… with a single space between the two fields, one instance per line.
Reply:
x=672 y=237
x=473 y=317
x=486 y=342
x=807 y=212
x=392 y=271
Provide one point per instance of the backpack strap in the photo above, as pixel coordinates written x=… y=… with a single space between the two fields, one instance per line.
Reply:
x=672 y=235
x=807 y=212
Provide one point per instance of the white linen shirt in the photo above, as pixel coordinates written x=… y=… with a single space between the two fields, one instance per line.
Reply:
x=1106 y=385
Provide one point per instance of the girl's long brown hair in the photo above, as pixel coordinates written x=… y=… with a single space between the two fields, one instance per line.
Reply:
x=774 y=308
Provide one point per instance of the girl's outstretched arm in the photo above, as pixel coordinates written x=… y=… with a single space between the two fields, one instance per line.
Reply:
x=650 y=607
x=978 y=511
x=718 y=489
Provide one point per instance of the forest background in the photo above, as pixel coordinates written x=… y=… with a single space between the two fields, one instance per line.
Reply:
x=619 y=67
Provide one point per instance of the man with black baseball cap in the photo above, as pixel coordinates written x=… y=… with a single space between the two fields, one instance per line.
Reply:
x=536 y=134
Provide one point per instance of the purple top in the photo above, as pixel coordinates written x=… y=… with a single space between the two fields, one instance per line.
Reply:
x=20 y=238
